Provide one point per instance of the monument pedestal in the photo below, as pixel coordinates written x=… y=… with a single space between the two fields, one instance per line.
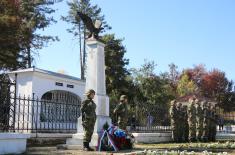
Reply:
x=95 y=80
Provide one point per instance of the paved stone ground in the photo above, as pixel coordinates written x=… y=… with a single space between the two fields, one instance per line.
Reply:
x=55 y=151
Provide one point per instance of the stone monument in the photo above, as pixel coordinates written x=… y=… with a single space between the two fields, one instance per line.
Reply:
x=95 y=79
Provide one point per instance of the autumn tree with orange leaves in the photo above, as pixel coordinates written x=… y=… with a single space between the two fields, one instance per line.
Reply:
x=212 y=84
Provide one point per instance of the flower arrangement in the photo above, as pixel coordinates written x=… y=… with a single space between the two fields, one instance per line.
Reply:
x=113 y=139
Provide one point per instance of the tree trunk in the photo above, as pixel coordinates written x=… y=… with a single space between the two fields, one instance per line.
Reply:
x=84 y=52
x=29 y=56
x=80 y=48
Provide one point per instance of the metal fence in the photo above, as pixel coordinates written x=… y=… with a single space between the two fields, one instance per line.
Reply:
x=39 y=116
x=148 y=120
x=226 y=121
x=31 y=115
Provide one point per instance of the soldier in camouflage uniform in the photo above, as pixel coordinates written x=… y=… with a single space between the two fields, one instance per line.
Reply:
x=121 y=111
x=174 y=123
x=88 y=118
x=212 y=123
x=185 y=124
x=192 y=120
x=199 y=120
x=205 y=121
x=180 y=126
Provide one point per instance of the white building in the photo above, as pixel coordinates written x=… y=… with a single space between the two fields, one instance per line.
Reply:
x=39 y=82
x=46 y=101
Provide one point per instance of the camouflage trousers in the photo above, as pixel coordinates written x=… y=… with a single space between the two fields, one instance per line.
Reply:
x=88 y=128
x=192 y=132
x=199 y=131
x=186 y=133
x=205 y=133
x=180 y=132
x=212 y=132
x=175 y=133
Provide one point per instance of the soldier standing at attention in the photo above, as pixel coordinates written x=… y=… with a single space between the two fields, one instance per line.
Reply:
x=88 y=118
x=173 y=114
x=199 y=120
x=180 y=126
x=121 y=111
x=205 y=121
x=192 y=120
x=212 y=123
x=185 y=122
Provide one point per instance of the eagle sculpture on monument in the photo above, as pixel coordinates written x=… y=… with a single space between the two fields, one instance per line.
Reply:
x=94 y=29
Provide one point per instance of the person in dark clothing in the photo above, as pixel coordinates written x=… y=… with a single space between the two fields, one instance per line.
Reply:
x=221 y=123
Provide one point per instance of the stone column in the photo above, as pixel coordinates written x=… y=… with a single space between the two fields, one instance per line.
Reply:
x=95 y=79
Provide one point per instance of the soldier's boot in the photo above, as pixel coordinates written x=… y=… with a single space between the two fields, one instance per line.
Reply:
x=89 y=148
x=205 y=139
x=192 y=139
x=199 y=139
x=86 y=147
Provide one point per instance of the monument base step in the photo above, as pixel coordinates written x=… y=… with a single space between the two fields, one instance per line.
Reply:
x=69 y=147
x=77 y=139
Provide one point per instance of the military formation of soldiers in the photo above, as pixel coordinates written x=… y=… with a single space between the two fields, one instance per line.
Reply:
x=193 y=122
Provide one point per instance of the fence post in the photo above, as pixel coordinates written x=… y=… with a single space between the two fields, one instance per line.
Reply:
x=36 y=116
x=32 y=113
x=14 y=104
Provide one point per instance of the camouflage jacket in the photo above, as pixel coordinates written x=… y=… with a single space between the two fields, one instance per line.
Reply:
x=121 y=111
x=173 y=114
x=88 y=110
x=199 y=114
x=192 y=113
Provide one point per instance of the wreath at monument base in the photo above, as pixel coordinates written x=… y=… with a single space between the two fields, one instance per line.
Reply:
x=114 y=139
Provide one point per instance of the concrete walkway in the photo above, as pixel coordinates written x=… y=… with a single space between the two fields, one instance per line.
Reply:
x=55 y=151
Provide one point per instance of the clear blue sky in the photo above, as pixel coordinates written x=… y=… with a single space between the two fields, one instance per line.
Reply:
x=185 y=32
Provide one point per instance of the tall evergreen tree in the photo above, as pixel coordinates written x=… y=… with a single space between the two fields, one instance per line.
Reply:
x=34 y=17
x=115 y=68
x=19 y=22
x=115 y=65
x=78 y=29
x=10 y=58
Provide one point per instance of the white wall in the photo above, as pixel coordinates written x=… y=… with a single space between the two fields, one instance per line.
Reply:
x=39 y=82
x=153 y=137
x=43 y=83
x=13 y=143
x=24 y=83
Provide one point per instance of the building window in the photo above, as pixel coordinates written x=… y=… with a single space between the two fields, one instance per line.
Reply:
x=59 y=84
x=70 y=86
